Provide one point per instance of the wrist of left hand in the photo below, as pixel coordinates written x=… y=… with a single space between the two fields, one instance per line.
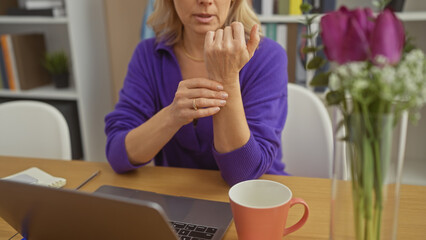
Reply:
x=225 y=79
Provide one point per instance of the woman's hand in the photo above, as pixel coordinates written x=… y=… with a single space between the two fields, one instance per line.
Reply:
x=196 y=98
x=226 y=51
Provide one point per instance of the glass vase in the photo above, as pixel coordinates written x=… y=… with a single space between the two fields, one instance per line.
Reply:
x=367 y=170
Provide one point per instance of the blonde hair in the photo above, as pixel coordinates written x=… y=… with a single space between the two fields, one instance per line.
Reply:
x=167 y=26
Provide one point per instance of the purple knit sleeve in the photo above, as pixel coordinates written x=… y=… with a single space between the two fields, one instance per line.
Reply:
x=264 y=92
x=135 y=106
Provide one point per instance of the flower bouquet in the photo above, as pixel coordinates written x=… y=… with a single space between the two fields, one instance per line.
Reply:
x=377 y=77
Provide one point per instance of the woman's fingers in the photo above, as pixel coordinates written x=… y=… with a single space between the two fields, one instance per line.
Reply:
x=199 y=103
x=209 y=38
x=238 y=31
x=201 y=83
x=205 y=93
x=197 y=98
x=226 y=51
x=254 y=40
x=200 y=88
x=205 y=112
x=227 y=37
x=218 y=38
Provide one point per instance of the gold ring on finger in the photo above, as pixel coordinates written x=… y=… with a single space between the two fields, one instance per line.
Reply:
x=194 y=105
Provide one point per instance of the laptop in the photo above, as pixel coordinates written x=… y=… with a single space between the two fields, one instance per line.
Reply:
x=44 y=213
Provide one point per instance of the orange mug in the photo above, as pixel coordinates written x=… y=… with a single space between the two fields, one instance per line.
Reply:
x=260 y=209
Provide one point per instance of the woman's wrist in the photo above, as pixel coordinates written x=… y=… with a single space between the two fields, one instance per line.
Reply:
x=230 y=84
x=228 y=80
x=170 y=122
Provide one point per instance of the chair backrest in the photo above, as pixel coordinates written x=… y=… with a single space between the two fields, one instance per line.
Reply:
x=307 y=138
x=33 y=129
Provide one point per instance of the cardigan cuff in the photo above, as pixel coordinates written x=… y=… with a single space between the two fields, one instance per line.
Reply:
x=241 y=164
x=118 y=158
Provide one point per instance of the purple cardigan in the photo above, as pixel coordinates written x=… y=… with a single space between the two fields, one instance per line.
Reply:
x=150 y=85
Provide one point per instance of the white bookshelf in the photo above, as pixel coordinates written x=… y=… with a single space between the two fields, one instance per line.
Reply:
x=43 y=92
x=82 y=35
x=281 y=18
x=404 y=16
x=16 y=20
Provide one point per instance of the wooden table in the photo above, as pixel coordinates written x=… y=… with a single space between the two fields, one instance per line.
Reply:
x=208 y=184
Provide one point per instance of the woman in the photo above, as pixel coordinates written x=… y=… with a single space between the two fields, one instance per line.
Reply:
x=206 y=93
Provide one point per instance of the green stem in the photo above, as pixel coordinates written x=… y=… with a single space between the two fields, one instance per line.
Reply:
x=367 y=181
x=378 y=190
x=378 y=182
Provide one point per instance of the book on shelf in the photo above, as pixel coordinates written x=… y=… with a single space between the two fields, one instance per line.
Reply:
x=283 y=7
x=291 y=7
x=257 y=6
x=327 y=6
x=289 y=36
x=8 y=62
x=291 y=51
x=3 y=75
x=276 y=32
x=316 y=5
x=6 y=4
x=267 y=7
x=294 y=7
x=273 y=7
x=282 y=35
x=23 y=55
x=271 y=31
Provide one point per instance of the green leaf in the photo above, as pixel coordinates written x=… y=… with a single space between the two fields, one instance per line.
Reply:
x=56 y=62
x=320 y=79
x=305 y=7
x=312 y=35
x=312 y=18
x=345 y=139
x=409 y=45
x=312 y=49
x=309 y=50
x=316 y=62
x=334 y=97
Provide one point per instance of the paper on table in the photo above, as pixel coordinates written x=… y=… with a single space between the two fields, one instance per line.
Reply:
x=37 y=176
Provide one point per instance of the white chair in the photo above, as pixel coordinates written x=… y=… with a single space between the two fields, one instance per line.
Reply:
x=33 y=129
x=307 y=138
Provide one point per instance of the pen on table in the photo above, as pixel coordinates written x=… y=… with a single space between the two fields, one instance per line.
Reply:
x=87 y=180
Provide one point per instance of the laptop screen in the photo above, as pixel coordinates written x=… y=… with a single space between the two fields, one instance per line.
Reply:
x=43 y=213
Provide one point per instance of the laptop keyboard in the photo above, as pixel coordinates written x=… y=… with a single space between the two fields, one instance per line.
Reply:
x=187 y=231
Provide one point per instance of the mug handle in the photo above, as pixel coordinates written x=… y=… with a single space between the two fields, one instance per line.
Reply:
x=302 y=221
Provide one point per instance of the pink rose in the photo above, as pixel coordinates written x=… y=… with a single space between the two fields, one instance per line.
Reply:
x=358 y=36
x=346 y=34
x=388 y=37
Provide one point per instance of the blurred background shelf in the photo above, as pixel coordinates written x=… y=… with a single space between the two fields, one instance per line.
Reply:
x=405 y=16
x=32 y=20
x=43 y=92
x=82 y=35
